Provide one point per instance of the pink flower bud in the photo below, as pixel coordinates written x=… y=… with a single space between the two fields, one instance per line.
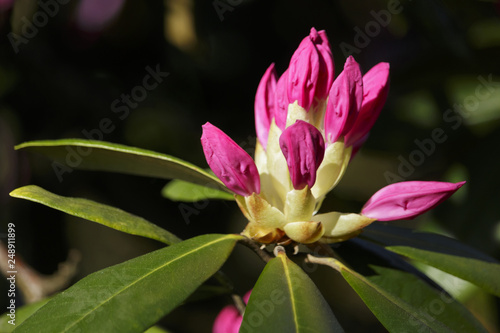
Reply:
x=264 y=104
x=304 y=149
x=229 y=319
x=406 y=200
x=344 y=101
x=281 y=101
x=375 y=90
x=234 y=167
x=311 y=70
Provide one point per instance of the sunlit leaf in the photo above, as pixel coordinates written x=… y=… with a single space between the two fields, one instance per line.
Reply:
x=402 y=303
x=69 y=154
x=20 y=315
x=286 y=300
x=481 y=273
x=96 y=212
x=179 y=190
x=132 y=296
x=444 y=253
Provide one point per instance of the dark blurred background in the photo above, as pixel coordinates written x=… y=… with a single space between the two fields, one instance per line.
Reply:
x=65 y=66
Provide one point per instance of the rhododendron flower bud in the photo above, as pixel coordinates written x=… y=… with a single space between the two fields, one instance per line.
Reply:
x=229 y=319
x=311 y=70
x=234 y=167
x=264 y=104
x=344 y=101
x=281 y=101
x=375 y=90
x=406 y=200
x=304 y=149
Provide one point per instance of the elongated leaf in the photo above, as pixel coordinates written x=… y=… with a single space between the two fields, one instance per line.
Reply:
x=132 y=296
x=444 y=253
x=21 y=313
x=391 y=306
x=179 y=190
x=483 y=274
x=106 y=215
x=286 y=300
x=390 y=235
x=25 y=311
x=69 y=154
x=431 y=303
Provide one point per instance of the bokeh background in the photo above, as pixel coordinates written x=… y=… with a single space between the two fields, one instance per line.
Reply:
x=59 y=78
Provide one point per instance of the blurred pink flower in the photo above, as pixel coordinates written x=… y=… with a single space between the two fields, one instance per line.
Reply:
x=229 y=319
x=94 y=15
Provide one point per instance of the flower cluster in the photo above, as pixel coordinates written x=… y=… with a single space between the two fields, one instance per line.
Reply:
x=309 y=125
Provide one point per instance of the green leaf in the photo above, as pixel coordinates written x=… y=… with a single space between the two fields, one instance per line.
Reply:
x=391 y=306
x=132 y=296
x=285 y=299
x=106 y=215
x=21 y=314
x=432 y=303
x=390 y=235
x=444 y=253
x=179 y=190
x=481 y=273
x=69 y=154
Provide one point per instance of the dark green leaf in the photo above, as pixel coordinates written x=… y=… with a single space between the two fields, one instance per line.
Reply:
x=179 y=190
x=388 y=305
x=71 y=154
x=483 y=274
x=106 y=215
x=286 y=300
x=444 y=253
x=433 y=304
x=132 y=296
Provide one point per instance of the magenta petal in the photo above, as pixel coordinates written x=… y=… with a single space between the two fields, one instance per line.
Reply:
x=310 y=70
x=375 y=90
x=281 y=101
x=234 y=167
x=327 y=67
x=406 y=200
x=264 y=104
x=227 y=321
x=304 y=149
x=344 y=102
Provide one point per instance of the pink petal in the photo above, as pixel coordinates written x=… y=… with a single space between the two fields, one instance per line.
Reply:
x=264 y=104
x=304 y=149
x=227 y=321
x=234 y=167
x=344 y=102
x=327 y=67
x=375 y=90
x=406 y=200
x=310 y=70
x=281 y=104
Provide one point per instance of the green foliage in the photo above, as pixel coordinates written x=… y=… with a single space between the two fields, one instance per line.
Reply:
x=178 y=190
x=96 y=212
x=134 y=295
x=286 y=300
x=106 y=156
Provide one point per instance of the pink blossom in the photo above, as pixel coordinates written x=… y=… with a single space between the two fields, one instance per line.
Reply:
x=344 y=101
x=406 y=200
x=311 y=70
x=281 y=101
x=375 y=90
x=264 y=104
x=234 y=167
x=229 y=319
x=304 y=149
